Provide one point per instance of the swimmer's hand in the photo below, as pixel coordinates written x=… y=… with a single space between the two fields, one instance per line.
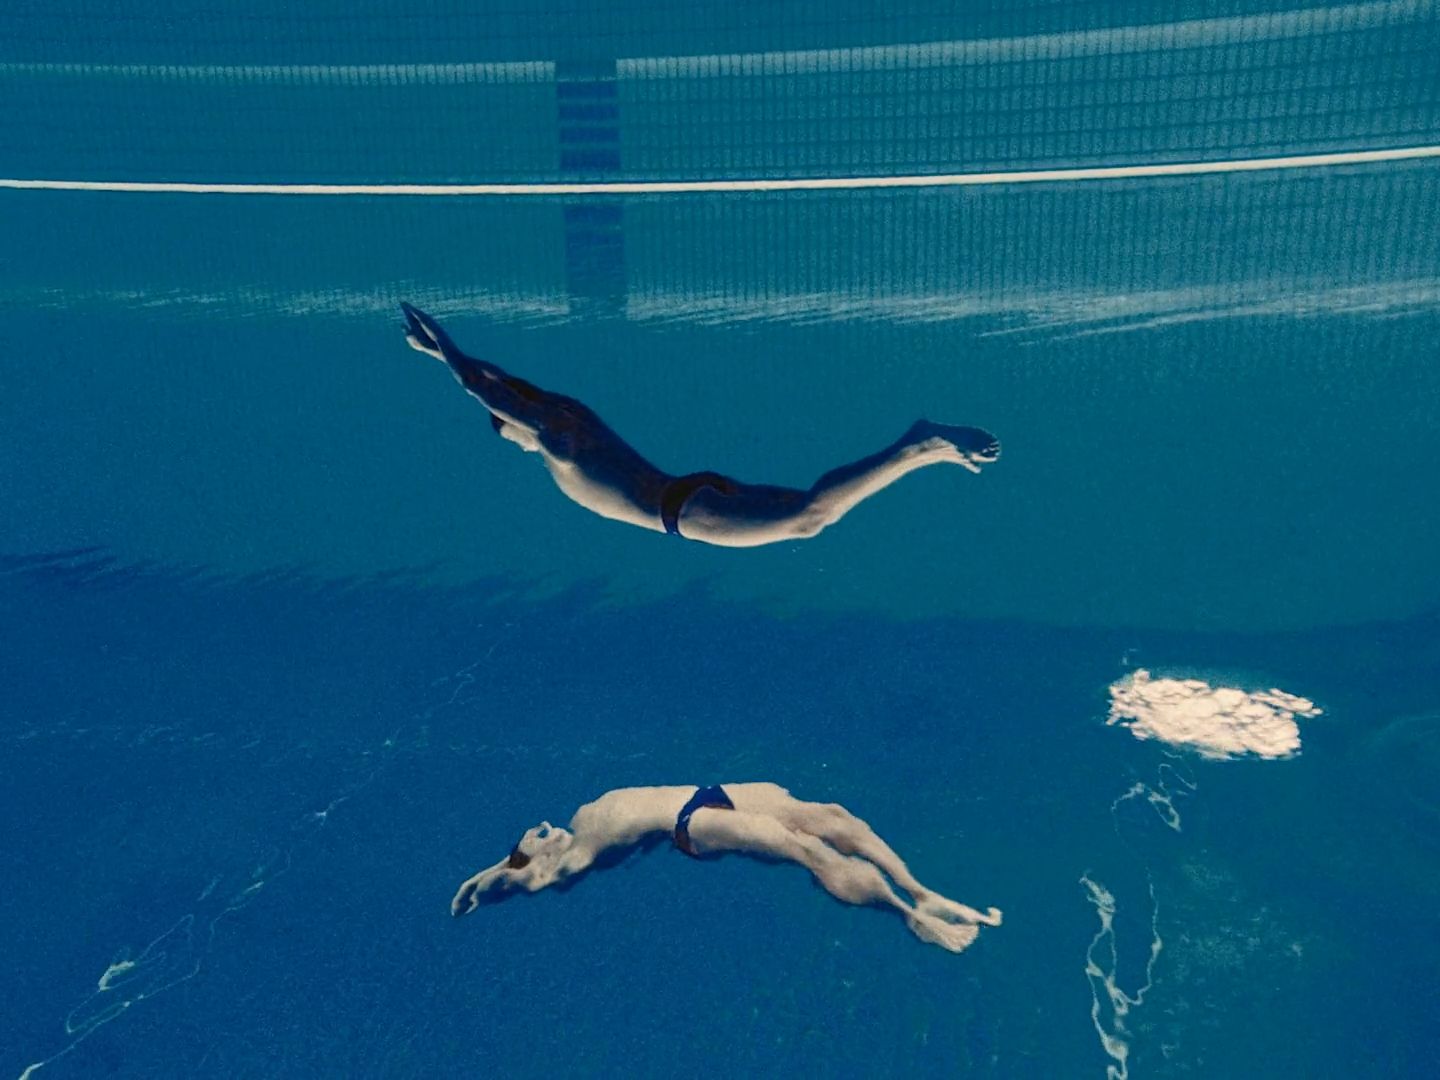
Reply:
x=968 y=447
x=466 y=899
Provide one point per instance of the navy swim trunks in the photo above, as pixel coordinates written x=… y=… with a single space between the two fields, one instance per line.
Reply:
x=677 y=493
x=706 y=796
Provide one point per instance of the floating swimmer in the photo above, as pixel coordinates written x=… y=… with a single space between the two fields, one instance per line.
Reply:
x=765 y=820
x=601 y=471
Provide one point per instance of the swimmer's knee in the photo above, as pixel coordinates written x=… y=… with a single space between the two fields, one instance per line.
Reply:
x=838 y=813
x=858 y=883
x=830 y=820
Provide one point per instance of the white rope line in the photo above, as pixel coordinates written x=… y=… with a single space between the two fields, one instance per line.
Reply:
x=686 y=187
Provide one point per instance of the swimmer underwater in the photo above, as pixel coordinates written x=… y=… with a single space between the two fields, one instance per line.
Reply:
x=598 y=469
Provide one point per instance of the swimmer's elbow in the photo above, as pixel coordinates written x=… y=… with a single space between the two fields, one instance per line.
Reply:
x=808 y=524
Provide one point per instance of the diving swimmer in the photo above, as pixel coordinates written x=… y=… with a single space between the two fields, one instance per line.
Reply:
x=842 y=851
x=601 y=471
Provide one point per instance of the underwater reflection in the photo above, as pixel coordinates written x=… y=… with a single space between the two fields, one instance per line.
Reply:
x=763 y=820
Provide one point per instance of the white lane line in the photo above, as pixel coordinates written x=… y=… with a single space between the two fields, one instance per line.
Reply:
x=687 y=187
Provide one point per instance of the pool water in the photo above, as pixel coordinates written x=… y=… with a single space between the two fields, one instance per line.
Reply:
x=293 y=644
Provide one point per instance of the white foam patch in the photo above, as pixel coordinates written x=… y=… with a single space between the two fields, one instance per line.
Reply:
x=1216 y=722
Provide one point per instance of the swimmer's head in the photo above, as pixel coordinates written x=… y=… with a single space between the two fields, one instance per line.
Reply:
x=538 y=851
x=533 y=863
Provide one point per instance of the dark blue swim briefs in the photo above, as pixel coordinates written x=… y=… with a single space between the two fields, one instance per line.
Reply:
x=706 y=796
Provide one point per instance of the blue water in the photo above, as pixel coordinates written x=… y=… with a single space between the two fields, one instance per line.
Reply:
x=281 y=782
x=292 y=644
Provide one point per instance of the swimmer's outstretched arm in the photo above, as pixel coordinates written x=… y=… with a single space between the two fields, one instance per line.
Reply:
x=926 y=443
x=752 y=515
x=543 y=856
x=546 y=854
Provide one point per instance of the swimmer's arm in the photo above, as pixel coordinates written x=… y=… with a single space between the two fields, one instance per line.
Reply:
x=472 y=888
x=532 y=878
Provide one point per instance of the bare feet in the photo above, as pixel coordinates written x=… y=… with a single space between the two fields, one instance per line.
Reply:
x=952 y=936
x=424 y=334
x=953 y=911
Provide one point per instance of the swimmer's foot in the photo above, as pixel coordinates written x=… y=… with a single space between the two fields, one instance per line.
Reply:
x=424 y=334
x=969 y=447
x=940 y=907
x=947 y=935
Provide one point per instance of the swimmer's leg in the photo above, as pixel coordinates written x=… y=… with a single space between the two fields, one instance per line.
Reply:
x=853 y=881
x=851 y=835
x=856 y=881
x=511 y=400
x=424 y=334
